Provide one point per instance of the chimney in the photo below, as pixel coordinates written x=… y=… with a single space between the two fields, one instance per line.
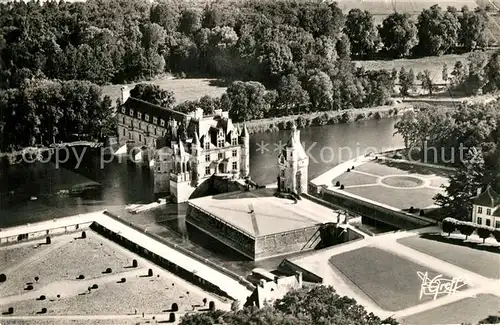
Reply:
x=262 y=283
x=218 y=112
x=198 y=113
x=298 y=275
x=125 y=94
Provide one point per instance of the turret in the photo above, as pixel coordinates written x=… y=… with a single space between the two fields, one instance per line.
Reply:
x=195 y=146
x=293 y=163
x=125 y=94
x=245 y=152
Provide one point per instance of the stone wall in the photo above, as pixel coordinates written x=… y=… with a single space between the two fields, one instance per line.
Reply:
x=221 y=231
x=36 y=235
x=287 y=242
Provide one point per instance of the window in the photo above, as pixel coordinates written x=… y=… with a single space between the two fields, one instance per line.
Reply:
x=488 y=212
x=480 y=220
x=207 y=170
x=124 y=132
x=235 y=165
x=123 y=110
x=219 y=155
x=291 y=153
x=207 y=158
x=139 y=115
x=140 y=137
x=479 y=210
x=234 y=141
x=124 y=122
x=220 y=143
x=162 y=122
x=235 y=153
x=488 y=222
x=131 y=112
x=207 y=145
x=155 y=120
x=146 y=117
x=497 y=224
x=130 y=135
x=282 y=173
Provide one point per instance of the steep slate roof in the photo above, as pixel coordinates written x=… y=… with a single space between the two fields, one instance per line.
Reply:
x=488 y=198
x=294 y=143
x=139 y=105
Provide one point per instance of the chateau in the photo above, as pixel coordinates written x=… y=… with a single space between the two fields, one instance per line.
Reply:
x=184 y=150
x=486 y=208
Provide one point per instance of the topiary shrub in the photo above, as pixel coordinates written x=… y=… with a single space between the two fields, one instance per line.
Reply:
x=412 y=209
x=81 y=277
x=377 y=116
x=44 y=310
x=449 y=225
x=29 y=287
x=42 y=297
x=95 y=286
x=10 y=310
x=484 y=233
x=36 y=278
x=348 y=170
x=421 y=213
x=84 y=234
x=466 y=228
x=123 y=280
x=337 y=184
x=48 y=240
x=171 y=317
x=108 y=270
x=134 y=263
x=342 y=187
x=205 y=301
x=58 y=296
x=496 y=234
x=3 y=278
x=150 y=272
x=211 y=305
x=175 y=307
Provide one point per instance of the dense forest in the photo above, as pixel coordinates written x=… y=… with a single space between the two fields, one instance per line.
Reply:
x=291 y=57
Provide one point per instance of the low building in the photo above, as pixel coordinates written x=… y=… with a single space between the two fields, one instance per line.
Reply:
x=269 y=291
x=486 y=208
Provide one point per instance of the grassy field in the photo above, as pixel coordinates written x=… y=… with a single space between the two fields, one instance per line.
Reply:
x=475 y=260
x=184 y=89
x=350 y=179
x=389 y=280
x=465 y=311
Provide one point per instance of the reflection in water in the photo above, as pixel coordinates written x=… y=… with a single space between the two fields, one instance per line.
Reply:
x=69 y=191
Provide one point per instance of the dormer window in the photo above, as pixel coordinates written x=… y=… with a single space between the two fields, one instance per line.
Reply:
x=207 y=145
x=139 y=115
x=220 y=143
x=488 y=212
x=131 y=112
x=123 y=109
x=234 y=141
x=479 y=210
x=146 y=117
x=162 y=122
x=155 y=120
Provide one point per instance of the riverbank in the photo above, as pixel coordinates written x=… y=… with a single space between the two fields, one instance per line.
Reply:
x=326 y=118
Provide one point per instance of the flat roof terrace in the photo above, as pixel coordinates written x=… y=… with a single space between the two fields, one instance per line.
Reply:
x=271 y=214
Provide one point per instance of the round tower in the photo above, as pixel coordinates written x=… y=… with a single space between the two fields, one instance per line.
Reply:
x=245 y=152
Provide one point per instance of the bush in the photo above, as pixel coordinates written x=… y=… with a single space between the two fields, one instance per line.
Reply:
x=95 y=286
x=175 y=307
x=48 y=241
x=360 y=116
x=348 y=170
x=29 y=287
x=44 y=310
x=36 y=278
x=395 y=111
x=301 y=122
x=412 y=209
x=235 y=305
x=10 y=310
x=211 y=305
x=342 y=187
x=205 y=301
x=84 y=234
x=171 y=317
x=483 y=233
x=42 y=297
x=150 y=272
x=377 y=116
x=134 y=263
x=346 y=117
x=81 y=277
x=449 y=225
x=421 y=213
x=3 y=278
x=337 y=184
x=333 y=120
x=289 y=125
x=123 y=280
x=108 y=270
x=466 y=228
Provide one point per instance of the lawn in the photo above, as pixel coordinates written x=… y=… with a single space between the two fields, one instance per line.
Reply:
x=353 y=178
x=465 y=311
x=389 y=280
x=419 y=198
x=17 y=254
x=475 y=260
x=184 y=89
x=379 y=169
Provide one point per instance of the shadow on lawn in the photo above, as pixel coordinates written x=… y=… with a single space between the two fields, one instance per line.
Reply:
x=460 y=242
x=415 y=169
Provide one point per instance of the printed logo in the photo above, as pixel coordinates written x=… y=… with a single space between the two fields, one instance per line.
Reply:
x=439 y=285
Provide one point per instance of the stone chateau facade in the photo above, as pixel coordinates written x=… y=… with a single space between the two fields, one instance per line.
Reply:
x=184 y=150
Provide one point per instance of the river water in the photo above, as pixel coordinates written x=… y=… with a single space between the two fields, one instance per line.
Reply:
x=119 y=183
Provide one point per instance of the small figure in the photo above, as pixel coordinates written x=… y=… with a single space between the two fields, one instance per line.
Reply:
x=142 y=314
x=135 y=310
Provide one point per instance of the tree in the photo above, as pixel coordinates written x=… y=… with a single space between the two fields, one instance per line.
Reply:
x=190 y=21
x=153 y=94
x=466 y=229
x=362 y=33
x=437 y=31
x=47 y=240
x=406 y=81
x=398 y=34
x=492 y=70
x=320 y=89
x=175 y=307
x=444 y=73
x=484 y=233
x=463 y=185
x=459 y=74
x=3 y=277
x=211 y=305
x=292 y=98
x=246 y=100
x=426 y=80
x=473 y=29
x=449 y=225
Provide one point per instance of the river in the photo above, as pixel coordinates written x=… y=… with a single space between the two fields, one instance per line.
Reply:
x=120 y=183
